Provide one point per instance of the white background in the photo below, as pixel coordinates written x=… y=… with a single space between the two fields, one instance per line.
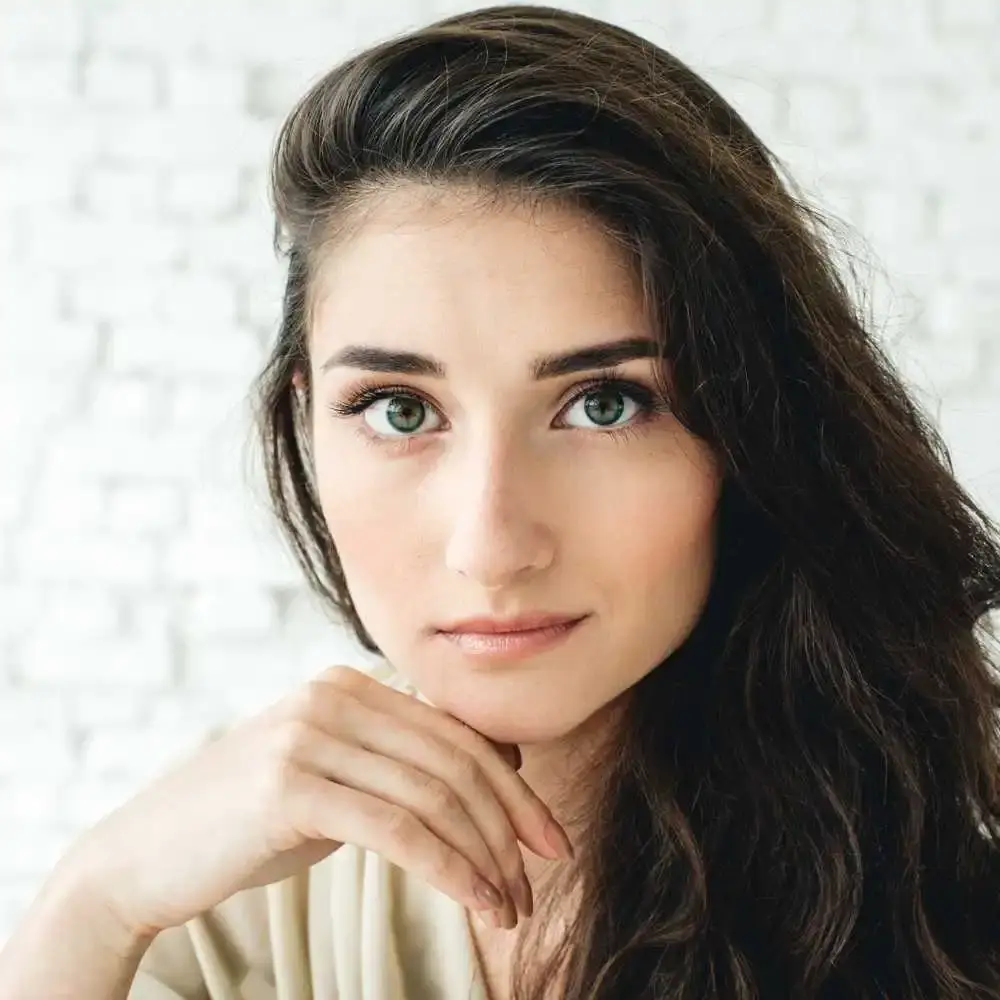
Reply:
x=143 y=595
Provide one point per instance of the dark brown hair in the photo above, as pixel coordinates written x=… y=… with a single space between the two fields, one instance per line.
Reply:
x=804 y=800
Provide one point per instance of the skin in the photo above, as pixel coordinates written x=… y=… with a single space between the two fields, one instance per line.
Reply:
x=507 y=497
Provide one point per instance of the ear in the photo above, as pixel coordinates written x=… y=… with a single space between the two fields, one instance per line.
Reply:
x=299 y=380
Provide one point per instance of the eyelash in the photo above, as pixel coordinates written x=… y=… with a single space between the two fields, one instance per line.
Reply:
x=365 y=393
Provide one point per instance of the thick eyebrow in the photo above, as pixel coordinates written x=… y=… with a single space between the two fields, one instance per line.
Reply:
x=379 y=359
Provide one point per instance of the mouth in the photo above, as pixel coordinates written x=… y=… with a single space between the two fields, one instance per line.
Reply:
x=498 y=641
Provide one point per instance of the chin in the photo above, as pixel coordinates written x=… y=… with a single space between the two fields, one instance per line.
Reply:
x=508 y=722
x=507 y=703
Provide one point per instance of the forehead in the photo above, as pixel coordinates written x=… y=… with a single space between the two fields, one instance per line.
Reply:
x=417 y=262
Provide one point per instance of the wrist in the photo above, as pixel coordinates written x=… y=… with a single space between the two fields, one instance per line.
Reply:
x=77 y=886
x=70 y=943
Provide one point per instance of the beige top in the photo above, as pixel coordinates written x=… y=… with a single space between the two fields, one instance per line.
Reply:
x=352 y=927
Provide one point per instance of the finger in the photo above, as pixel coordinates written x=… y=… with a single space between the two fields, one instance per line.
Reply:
x=323 y=809
x=529 y=815
x=431 y=800
x=465 y=773
x=449 y=766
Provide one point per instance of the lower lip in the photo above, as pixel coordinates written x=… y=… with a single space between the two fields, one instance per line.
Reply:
x=510 y=645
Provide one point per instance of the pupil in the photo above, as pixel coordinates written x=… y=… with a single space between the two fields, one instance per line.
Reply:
x=601 y=413
x=404 y=414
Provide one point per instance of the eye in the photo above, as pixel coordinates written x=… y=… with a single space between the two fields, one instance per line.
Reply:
x=397 y=416
x=613 y=405
x=604 y=407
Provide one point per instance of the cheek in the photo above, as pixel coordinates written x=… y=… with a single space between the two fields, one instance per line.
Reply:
x=669 y=541
x=370 y=523
x=661 y=543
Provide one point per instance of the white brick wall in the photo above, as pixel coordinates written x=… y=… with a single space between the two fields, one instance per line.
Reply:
x=143 y=598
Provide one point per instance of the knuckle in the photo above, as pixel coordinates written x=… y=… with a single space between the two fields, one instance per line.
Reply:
x=442 y=862
x=279 y=777
x=401 y=827
x=509 y=858
x=298 y=704
x=437 y=797
x=344 y=678
x=473 y=741
x=469 y=773
x=469 y=741
x=289 y=738
x=317 y=702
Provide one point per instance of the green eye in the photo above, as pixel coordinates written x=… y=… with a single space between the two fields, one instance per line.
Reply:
x=404 y=415
x=610 y=404
x=604 y=407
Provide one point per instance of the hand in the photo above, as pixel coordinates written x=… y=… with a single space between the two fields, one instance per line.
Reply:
x=342 y=759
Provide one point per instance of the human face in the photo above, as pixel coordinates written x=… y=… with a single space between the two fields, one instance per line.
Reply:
x=484 y=490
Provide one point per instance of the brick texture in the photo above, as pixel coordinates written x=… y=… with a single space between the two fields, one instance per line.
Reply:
x=143 y=596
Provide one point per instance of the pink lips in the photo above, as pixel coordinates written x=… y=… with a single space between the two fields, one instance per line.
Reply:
x=516 y=623
x=510 y=638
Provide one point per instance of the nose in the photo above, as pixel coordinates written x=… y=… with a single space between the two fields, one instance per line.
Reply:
x=498 y=533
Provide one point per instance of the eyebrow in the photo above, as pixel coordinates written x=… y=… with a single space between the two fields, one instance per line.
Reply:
x=380 y=359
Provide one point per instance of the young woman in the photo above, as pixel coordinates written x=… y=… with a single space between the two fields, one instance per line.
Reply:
x=572 y=417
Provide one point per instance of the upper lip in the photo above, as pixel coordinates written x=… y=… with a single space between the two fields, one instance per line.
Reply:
x=520 y=623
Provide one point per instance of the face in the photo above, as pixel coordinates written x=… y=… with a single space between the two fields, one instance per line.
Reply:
x=464 y=470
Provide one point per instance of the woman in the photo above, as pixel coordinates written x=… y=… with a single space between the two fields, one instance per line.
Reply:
x=561 y=352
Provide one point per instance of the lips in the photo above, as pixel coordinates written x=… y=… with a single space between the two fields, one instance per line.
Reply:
x=504 y=626
x=497 y=640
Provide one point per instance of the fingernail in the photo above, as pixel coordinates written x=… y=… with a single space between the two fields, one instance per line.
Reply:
x=558 y=840
x=488 y=893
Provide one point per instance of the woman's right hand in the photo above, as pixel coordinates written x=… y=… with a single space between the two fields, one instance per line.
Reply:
x=342 y=759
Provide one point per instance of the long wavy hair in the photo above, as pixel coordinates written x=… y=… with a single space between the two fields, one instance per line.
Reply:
x=804 y=798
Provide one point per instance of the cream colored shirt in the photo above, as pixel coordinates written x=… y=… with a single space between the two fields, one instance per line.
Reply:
x=352 y=927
